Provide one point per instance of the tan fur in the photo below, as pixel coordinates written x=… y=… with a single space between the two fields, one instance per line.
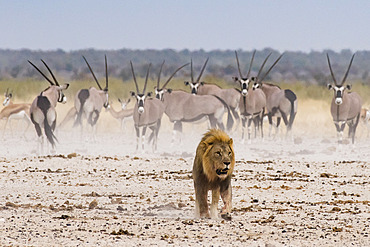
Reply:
x=212 y=170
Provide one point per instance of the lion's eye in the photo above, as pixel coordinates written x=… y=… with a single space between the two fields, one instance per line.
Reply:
x=218 y=153
x=229 y=153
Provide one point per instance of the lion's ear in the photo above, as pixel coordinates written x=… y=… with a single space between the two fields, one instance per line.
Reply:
x=231 y=141
x=204 y=145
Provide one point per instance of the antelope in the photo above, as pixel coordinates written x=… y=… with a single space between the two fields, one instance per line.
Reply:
x=181 y=107
x=365 y=117
x=148 y=112
x=89 y=102
x=253 y=103
x=71 y=114
x=42 y=110
x=345 y=106
x=14 y=111
x=230 y=95
x=123 y=114
x=280 y=103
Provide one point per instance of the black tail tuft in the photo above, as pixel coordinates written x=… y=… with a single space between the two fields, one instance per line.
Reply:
x=44 y=104
x=292 y=98
x=82 y=96
x=230 y=120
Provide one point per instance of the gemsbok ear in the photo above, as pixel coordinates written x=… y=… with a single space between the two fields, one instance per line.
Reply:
x=349 y=86
x=169 y=90
x=236 y=79
x=202 y=83
x=186 y=83
x=133 y=94
x=149 y=94
x=253 y=79
x=329 y=86
x=65 y=86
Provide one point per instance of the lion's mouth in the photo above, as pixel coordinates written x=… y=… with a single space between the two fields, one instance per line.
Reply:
x=222 y=171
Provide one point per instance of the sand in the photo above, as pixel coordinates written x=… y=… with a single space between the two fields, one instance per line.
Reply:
x=304 y=190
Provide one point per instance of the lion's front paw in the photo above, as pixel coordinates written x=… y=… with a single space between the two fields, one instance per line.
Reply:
x=226 y=216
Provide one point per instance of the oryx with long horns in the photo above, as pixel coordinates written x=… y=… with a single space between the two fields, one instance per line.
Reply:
x=345 y=106
x=42 y=110
x=252 y=102
x=280 y=103
x=230 y=95
x=89 y=102
x=182 y=107
x=148 y=112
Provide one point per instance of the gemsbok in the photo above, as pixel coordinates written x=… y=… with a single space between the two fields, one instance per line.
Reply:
x=148 y=113
x=280 y=103
x=345 y=106
x=252 y=102
x=14 y=111
x=89 y=102
x=123 y=114
x=42 y=110
x=230 y=95
x=181 y=107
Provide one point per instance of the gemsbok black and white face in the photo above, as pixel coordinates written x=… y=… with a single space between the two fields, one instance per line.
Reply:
x=244 y=84
x=140 y=98
x=194 y=85
x=338 y=92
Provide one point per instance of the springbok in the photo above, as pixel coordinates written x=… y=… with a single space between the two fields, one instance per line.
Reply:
x=230 y=95
x=182 y=107
x=42 y=110
x=148 y=112
x=89 y=102
x=123 y=114
x=365 y=117
x=345 y=106
x=280 y=103
x=14 y=111
x=252 y=102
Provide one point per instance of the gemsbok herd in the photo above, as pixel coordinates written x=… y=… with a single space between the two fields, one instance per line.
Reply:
x=250 y=102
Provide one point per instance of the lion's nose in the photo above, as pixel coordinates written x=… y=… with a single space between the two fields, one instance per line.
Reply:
x=226 y=163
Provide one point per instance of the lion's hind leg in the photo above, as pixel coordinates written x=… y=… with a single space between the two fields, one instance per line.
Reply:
x=215 y=199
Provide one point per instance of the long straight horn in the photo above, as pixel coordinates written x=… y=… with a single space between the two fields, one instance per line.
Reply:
x=92 y=72
x=331 y=70
x=106 y=73
x=7 y=91
x=237 y=61
x=51 y=73
x=263 y=65
x=169 y=79
x=133 y=75
x=349 y=66
x=201 y=72
x=250 y=65
x=41 y=73
x=146 y=78
x=191 y=70
x=159 y=75
x=268 y=71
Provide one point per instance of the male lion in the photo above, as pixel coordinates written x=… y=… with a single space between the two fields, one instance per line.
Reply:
x=213 y=166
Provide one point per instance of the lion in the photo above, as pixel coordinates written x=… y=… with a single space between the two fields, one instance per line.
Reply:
x=212 y=169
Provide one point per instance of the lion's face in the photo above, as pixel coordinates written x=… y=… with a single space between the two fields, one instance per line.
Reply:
x=222 y=157
x=219 y=160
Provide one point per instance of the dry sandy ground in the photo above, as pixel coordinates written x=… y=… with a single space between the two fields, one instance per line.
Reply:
x=301 y=191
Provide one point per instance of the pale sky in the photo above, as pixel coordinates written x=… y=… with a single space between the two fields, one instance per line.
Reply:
x=284 y=25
